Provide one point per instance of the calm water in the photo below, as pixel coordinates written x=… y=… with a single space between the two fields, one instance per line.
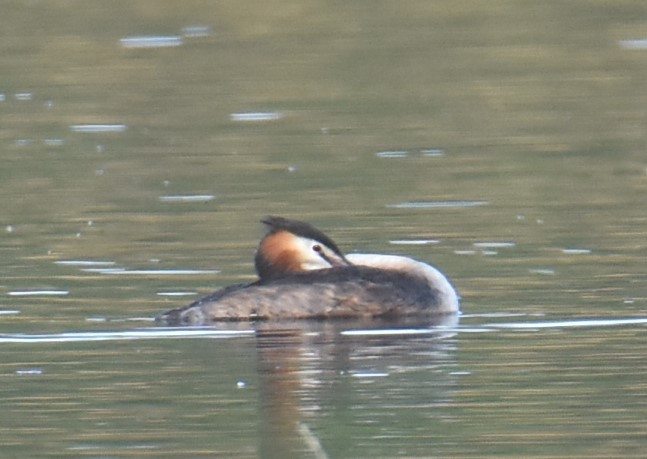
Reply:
x=503 y=142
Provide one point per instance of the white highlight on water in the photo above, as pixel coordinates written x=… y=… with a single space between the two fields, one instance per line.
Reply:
x=635 y=44
x=437 y=204
x=544 y=271
x=174 y=294
x=188 y=198
x=493 y=245
x=429 y=152
x=151 y=272
x=394 y=332
x=369 y=375
x=94 y=128
x=572 y=323
x=196 y=31
x=151 y=41
x=413 y=241
x=84 y=263
x=122 y=335
x=576 y=251
x=392 y=154
x=38 y=292
x=256 y=116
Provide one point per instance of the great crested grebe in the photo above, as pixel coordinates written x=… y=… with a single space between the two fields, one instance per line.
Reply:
x=303 y=275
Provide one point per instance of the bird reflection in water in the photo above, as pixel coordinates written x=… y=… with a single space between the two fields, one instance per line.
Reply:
x=308 y=377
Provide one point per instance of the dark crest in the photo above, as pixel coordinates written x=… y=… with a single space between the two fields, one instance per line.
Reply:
x=300 y=229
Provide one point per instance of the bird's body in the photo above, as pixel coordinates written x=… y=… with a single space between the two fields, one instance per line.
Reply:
x=303 y=275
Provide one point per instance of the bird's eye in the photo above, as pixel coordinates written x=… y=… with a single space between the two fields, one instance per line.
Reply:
x=317 y=248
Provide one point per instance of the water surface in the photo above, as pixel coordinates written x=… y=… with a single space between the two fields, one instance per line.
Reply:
x=502 y=142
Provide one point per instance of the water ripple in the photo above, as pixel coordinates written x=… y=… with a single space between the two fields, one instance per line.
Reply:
x=93 y=128
x=255 y=116
x=572 y=323
x=122 y=335
x=437 y=204
x=38 y=293
x=640 y=43
x=151 y=272
x=151 y=42
x=84 y=263
x=413 y=241
x=188 y=198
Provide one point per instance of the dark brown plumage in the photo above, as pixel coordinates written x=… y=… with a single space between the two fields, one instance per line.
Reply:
x=304 y=275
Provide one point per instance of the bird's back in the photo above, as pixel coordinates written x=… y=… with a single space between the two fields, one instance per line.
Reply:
x=341 y=292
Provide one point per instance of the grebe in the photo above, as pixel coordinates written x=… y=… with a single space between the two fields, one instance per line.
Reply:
x=303 y=275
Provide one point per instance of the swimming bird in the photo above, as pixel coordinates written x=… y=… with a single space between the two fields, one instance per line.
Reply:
x=304 y=275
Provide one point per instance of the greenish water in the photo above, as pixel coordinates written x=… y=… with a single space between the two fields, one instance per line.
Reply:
x=504 y=142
